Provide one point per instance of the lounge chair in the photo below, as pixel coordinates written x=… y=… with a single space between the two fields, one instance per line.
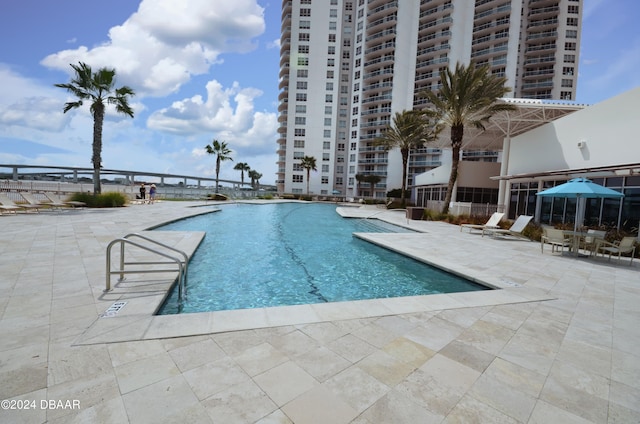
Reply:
x=32 y=200
x=492 y=222
x=56 y=201
x=515 y=230
x=627 y=244
x=8 y=204
x=556 y=238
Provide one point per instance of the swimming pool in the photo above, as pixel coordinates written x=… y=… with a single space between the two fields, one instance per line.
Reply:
x=280 y=254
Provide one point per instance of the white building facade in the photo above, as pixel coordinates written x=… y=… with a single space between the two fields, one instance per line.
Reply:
x=348 y=66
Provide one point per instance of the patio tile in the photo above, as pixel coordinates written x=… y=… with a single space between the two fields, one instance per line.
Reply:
x=319 y=405
x=296 y=381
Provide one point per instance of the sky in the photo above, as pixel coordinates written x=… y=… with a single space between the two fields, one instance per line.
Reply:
x=201 y=70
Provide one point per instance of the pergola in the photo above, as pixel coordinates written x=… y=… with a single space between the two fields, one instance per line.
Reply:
x=528 y=115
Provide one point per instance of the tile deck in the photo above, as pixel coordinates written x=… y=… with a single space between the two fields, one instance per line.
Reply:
x=558 y=341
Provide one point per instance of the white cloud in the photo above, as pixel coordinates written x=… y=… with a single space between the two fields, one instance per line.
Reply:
x=161 y=46
x=227 y=114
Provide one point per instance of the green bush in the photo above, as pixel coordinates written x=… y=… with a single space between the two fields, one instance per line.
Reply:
x=103 y=200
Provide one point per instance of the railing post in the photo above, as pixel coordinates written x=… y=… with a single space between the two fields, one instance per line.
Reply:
x=121 y=260
x=108 y=285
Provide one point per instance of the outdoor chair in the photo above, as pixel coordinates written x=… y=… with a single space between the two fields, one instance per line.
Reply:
x=8 y=204
x=515 y=230
x=627 y=244
x=591 y=240
x=492 y=222
x=31 y=200
x=556 y=238
x=58 y=202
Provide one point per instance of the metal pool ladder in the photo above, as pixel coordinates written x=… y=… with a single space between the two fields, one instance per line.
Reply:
x=181 y=260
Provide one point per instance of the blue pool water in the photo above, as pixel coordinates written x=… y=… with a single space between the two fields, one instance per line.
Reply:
x=292 y=253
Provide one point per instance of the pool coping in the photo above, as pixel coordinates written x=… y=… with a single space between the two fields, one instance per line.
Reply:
x=136 y=320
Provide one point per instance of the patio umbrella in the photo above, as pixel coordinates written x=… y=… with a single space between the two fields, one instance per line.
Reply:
x=580 y=188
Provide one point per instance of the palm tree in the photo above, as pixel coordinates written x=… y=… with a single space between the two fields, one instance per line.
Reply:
x=99 y=89
x=468 y=96
x=410 y=130
x=308 y=163
x=222 y=153
x=255 y=179
x=242 y=167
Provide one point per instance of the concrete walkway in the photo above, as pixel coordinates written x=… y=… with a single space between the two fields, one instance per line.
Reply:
x=559 y=342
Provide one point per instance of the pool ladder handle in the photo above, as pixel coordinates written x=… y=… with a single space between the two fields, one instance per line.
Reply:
x=182 y=264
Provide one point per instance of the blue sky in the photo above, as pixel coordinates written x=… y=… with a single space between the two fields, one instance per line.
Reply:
x=202 y=70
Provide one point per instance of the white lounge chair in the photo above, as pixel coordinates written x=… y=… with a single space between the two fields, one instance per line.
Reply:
x=492 y=222
x=627 y=244
x=515 y=230
x=56 y=201
x=556 y=238
x=8 y=204
x=31 y=200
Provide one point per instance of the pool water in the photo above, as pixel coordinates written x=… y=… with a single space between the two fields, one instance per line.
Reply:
x=267 y=255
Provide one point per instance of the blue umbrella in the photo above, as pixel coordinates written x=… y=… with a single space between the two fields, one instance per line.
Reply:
x=580 y=188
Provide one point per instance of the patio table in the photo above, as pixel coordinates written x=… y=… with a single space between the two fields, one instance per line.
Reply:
x=579 y=236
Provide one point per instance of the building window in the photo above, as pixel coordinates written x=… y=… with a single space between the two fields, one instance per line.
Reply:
x=301 y=85
x=327 y=122
x=573 y=9
x=326 y=157
x=332 y=26
x=333 y=13
x=301 y=120
x=301 y=108
x=567 y=83
x=299 y=144
x=298 y=155
x=303 y=61
x=572 y=33
x=329 y=86
x=329 y=74
x=570 y=46
x=299 y=132
x=301 y=97
x=570 y=58
x=303 y=48
x=332 y=38
x=297 y=178
x=305 y=12
x=324 y=180
x=331 y=50
x=305 y=1
x=327 y=133
x=567 y=70
x=304 y=36
x=331 y=62
x=302 y=73
x=565 y=95
x=341 y=147
x=328 y=98
x=328 y=110
x=326 y=145
x=354 y=146
x=572 y=22
x=305 y=25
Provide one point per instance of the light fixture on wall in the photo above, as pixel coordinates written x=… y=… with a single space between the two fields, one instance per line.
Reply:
x=582 y=144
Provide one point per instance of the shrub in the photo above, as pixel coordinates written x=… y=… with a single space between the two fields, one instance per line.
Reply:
x=103 y=200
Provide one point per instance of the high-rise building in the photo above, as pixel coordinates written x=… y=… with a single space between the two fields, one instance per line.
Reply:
x=347 y=66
